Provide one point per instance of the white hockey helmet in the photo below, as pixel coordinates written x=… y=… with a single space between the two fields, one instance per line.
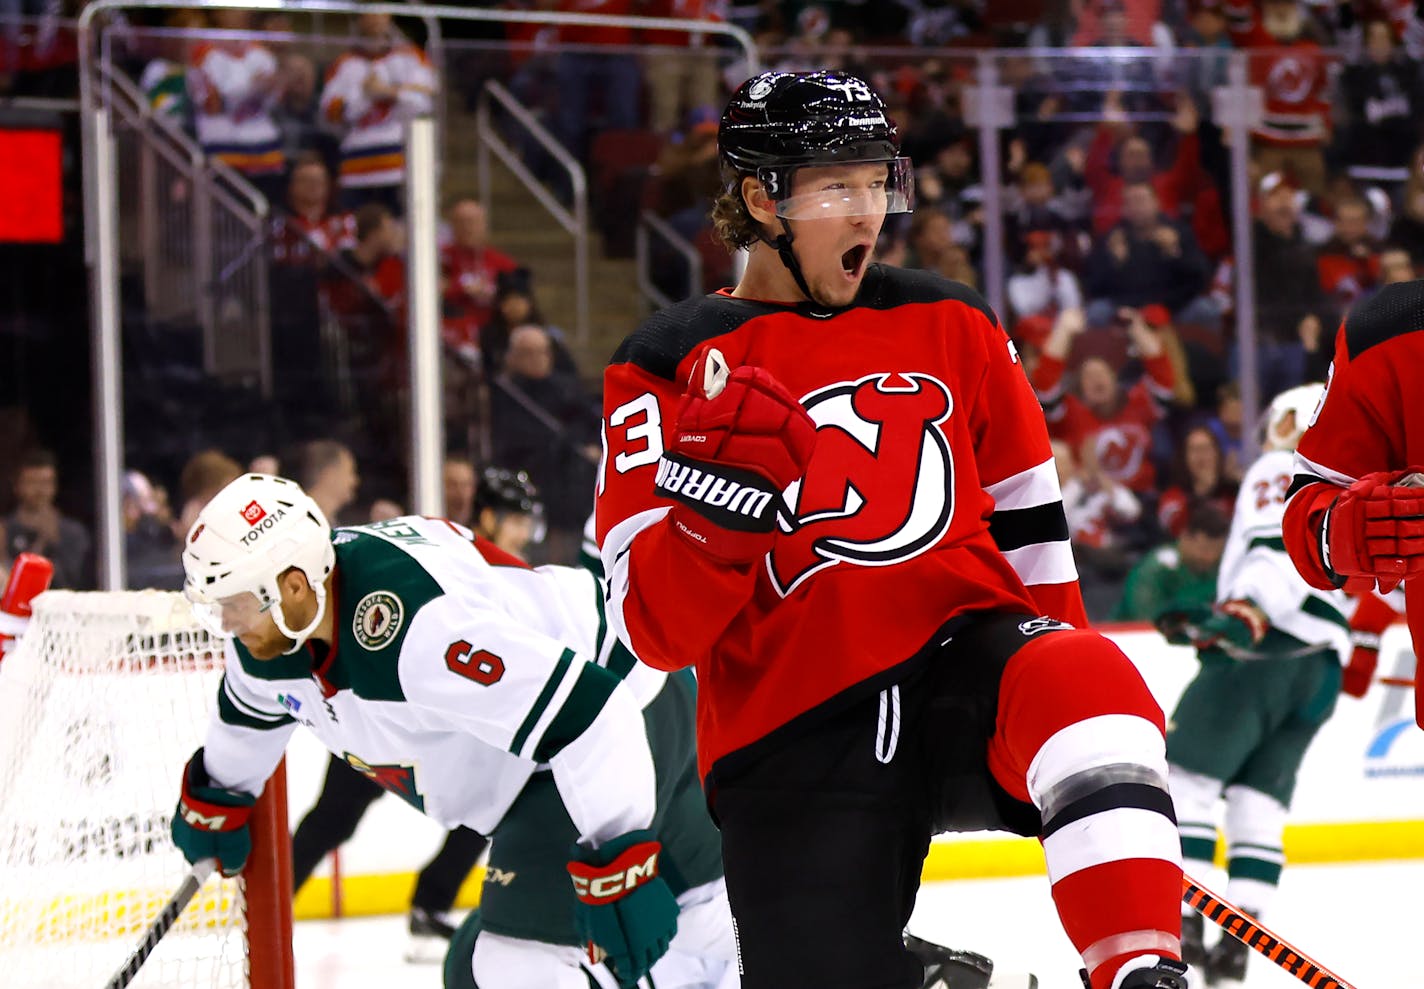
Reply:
x=1302 y=400
x=247 y=536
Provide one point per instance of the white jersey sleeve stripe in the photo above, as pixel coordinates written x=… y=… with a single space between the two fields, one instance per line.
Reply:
x=1044 y=563
x=616 y=547
x=1111 y=836
x=1304 y=466
x=1092 y=743
x=1027 y=489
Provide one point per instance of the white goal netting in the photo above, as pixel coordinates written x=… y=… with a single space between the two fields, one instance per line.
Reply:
x=100 y=707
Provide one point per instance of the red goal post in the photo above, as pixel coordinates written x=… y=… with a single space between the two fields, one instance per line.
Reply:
x=101 y=705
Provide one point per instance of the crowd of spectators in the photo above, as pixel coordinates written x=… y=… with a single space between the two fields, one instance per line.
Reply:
x=1116 y=194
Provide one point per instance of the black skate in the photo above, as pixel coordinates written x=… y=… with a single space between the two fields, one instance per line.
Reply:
x=430 y=934
x=946 y=968
x=1166 y=974
x=1226 y=963
x=1193 y=949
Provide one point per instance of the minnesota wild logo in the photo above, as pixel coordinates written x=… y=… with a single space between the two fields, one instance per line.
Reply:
x=377 y=619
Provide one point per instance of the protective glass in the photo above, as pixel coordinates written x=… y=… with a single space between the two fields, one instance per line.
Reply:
x=231 y=616
x=895 y=194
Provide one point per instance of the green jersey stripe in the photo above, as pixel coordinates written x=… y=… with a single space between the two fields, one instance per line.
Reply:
x=1318 y=608
x=591 y=691
x=250 y=710
x=545 y=696
x=229 y=713
x=602 y=619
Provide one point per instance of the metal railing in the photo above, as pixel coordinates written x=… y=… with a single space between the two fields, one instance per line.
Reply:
x=492 y=144
x=650 y=225
x=100 y=17
x=198 y=230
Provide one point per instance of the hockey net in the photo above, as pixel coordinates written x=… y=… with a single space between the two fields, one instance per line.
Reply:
x=101 y=704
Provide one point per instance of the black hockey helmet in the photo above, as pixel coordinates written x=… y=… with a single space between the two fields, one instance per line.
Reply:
x=779 y=121
x=505 y=490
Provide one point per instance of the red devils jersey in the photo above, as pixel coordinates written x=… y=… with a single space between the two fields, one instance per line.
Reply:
x=1122 y=439
x=1294 y=81
x=1371 y=420
x=931 y=493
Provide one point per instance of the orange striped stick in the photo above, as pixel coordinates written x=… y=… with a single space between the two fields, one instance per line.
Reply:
x=1245 y=929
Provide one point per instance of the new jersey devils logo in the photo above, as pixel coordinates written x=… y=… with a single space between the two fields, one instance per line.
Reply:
x=880 y=487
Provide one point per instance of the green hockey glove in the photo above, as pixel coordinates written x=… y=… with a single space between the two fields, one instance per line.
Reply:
x=210 y=821
x=626 y=913
x=1238 y=624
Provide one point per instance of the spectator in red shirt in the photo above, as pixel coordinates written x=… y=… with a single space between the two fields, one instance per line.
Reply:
x=364 y=290
x=1198 y=474
x=1293 y=74
x=303 y=239
x=1116 y=422
x=309 y=230
x=1183 y=184
x=469 y=272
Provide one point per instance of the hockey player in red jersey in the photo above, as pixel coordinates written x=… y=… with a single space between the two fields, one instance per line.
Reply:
x=1356 y=514
x=830 y=489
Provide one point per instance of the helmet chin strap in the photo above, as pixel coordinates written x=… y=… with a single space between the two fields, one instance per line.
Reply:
x=782 y=243
x=299 y=637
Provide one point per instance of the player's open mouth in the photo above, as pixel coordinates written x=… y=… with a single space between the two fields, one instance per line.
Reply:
x=853 y=259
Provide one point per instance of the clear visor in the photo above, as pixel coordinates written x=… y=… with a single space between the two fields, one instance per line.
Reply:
x=844 y=191
x=231 y=616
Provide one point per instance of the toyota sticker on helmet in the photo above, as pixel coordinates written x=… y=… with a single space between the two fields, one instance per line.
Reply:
x=261 y=522
x=880 y=489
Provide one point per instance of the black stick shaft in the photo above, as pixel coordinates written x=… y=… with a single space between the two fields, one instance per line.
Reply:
x=187 y=889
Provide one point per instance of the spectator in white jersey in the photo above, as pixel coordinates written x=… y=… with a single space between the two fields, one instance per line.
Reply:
x=381 y=82
x=234 y=84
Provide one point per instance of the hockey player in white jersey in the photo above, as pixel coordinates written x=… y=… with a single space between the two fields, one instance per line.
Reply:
x=1270 y=650
x=483 y=693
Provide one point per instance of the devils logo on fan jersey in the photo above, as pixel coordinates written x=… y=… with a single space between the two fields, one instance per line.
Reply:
x=880 y=488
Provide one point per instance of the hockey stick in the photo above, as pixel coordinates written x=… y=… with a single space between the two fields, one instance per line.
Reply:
x=1245 y=929
x=1396 y=682
x=190 y=885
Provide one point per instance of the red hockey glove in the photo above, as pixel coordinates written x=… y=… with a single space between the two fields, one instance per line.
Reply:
x=1372 y=616
x=1360 y=670
x=1375 y=532
x=741 y=439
